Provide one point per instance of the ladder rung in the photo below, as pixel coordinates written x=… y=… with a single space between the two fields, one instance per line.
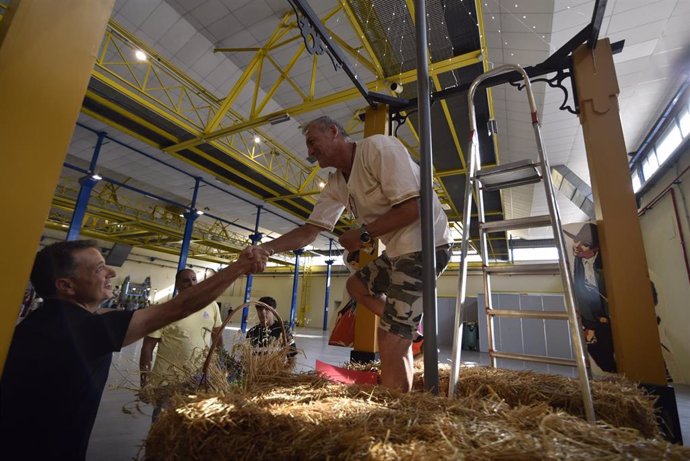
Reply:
x=533 y=358
x=518 y=223
x=523 y=269
x=548 y=315
x=509 y=175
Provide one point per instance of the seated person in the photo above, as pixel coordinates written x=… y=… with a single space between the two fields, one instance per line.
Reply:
x=269 y=329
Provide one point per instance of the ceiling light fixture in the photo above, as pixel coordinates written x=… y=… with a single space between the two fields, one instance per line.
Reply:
x=96 y=176
x=257 y=139
x=199 y=212
x=140 y=55
x=322 y=184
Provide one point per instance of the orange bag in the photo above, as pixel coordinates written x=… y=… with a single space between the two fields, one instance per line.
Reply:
x=343 y=333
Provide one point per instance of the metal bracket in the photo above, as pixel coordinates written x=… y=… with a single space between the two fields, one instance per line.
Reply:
x=312 y=39
x=554 y=82
x=318 y=41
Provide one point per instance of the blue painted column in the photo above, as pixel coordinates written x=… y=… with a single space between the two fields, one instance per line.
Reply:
x=329 y=264
x=190 y=217
x=255 y=238
x=295 y=282
x=87 y=183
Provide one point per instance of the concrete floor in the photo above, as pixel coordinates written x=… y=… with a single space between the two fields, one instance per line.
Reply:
x=123 y=422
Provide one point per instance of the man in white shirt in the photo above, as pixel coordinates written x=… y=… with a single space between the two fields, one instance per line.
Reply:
x=377 y=181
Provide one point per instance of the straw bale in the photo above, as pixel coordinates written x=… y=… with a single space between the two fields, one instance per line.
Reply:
x=265 y=411
x=304 y=417
x=617 y=401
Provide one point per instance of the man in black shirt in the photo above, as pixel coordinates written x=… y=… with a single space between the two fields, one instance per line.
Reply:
x=270 y=329
x=60 y=355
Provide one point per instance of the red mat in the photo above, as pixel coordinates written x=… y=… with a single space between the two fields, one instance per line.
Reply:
x=343 y=375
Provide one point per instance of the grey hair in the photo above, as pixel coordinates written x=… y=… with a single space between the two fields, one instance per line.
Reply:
x=323 y=123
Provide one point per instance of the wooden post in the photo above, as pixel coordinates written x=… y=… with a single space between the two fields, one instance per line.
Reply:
x=47 y=51
x=631 y=307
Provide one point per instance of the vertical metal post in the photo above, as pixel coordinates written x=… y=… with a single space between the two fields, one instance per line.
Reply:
x=295 y=281
x=255 y=238
x=427 y=195
x=87 y=183
x=329 y=264
x=190 y=217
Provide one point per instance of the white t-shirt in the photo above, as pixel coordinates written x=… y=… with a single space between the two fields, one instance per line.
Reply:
x=182 y=343
x=383 y=175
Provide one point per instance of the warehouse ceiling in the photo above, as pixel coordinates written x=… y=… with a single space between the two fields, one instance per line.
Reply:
x=227 y=83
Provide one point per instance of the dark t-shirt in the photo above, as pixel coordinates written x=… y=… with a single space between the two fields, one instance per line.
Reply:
x=261 y=336
x=56 y=369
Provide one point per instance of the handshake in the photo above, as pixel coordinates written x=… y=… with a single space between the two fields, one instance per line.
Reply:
x=254 y=258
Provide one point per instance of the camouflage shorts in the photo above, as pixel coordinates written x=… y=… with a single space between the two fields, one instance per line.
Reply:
x=400 y=279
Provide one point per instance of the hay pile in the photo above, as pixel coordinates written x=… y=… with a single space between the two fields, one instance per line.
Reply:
x=271 y=413
x=617 y=400
x=303 y=417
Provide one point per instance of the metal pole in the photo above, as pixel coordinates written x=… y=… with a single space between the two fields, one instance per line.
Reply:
x=256 y=238
x=190 y=217
x=87 y=183
x=329 y=264
x=295 y=281
x=427 y=196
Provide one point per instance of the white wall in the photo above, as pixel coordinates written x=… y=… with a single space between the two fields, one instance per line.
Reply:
x=664 y=250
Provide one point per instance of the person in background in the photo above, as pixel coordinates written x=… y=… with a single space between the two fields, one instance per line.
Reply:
x=269 y=329
x=180 y=344
x=377 y=181
x=60 y=355
x=589 y=289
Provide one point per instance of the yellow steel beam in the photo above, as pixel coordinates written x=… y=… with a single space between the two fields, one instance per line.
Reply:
x=301 y=194
x=278 y=33
x=345 y=95
x=200 y=101
x=283 y=76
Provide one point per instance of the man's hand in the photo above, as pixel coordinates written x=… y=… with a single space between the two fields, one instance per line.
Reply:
x=256 y=257
x=350 y=240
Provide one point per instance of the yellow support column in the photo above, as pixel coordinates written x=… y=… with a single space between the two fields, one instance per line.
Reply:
x=631 y=307
x=365 y=347
x=47 y=51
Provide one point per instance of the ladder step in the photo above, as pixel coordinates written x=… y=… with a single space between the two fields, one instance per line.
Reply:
x=523 y=269
x=509 y=175
x=533 y=358
x=518 y=223
x=527 y=314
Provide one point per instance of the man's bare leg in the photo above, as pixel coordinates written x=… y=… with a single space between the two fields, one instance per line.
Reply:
x=396 y=352
x=396 y=361
x=360 y=293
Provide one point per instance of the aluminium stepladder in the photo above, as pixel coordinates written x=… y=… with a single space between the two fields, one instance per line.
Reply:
x=496 y=178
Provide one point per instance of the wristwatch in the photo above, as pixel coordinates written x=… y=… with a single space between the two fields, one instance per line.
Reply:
x=364 y=235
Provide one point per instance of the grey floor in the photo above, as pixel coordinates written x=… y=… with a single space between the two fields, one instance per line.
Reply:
x=122 y=422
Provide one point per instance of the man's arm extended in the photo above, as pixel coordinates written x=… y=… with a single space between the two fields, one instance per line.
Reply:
x=144 y=321
x=297 y=238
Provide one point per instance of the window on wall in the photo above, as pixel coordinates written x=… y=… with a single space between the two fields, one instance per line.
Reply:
x=667 y=139
x=684 y=122
x=636 y=181
x=669 y=143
